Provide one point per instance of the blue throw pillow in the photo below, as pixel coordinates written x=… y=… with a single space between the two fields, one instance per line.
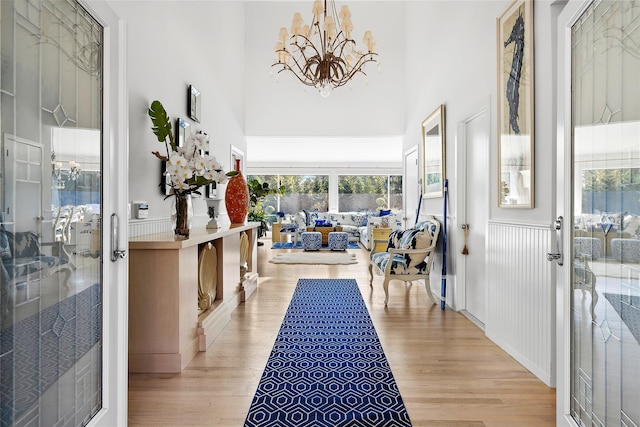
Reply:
x=385 y=212
x=309 y=214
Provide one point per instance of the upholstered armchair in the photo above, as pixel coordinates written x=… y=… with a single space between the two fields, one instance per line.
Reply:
x=24 y=261
x=23 y=264
x=585 y=280
x=408 y=257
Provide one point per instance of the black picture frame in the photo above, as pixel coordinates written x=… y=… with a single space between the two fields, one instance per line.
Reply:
x=194 y=107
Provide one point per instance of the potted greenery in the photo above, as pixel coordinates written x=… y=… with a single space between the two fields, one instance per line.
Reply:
x=258 y=192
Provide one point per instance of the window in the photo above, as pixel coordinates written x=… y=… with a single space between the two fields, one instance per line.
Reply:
x=369 y=192
x=611 y=190
x=302 y=192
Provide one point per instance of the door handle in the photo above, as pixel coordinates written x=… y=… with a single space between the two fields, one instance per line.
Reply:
x=116 y=253
x=554 y=256
x=557 y=256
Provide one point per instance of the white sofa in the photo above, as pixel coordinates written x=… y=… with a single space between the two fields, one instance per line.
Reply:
x=357 y=225
x=349 y=221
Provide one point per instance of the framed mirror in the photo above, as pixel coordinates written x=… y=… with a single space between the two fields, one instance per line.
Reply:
x=515 y=106
x=433 y=159
x=194 y=104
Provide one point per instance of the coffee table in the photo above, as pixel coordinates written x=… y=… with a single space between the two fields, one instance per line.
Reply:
x=325 y=232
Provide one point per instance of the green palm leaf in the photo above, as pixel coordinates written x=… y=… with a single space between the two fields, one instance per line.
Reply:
x=161 y=123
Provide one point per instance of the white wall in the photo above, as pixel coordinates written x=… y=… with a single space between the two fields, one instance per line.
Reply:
x=458 y=69
x=451 y=60
x=172 y=44
x=453 y=63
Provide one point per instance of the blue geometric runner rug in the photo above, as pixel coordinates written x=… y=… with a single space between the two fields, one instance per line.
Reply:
x=327 y=367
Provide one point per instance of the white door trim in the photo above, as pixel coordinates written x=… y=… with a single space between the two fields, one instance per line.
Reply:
x=115 y=193
x=483 y=107
x=567 y=14
x=409 y=217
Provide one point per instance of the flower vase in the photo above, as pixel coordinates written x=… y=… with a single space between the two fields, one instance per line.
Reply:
x=236 y=197
x=182 y=215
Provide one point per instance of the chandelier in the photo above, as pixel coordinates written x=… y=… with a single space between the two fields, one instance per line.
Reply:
x=62 y=173
x=323 y=55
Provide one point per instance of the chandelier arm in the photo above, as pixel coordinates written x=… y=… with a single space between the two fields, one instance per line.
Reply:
x=335 y=82
x=339 y=70
x=307 y=45
x=356 y=69
x=343 y=44
x=286 y=67
x=367 y=57
x=304 y=69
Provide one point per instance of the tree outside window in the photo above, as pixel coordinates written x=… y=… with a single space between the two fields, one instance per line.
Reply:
x=369 y=192
x=302 y=192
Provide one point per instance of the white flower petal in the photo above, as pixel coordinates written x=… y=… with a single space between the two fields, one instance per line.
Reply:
x=178 y=160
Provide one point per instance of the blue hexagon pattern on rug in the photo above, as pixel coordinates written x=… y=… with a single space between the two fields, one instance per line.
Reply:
x=327 y=367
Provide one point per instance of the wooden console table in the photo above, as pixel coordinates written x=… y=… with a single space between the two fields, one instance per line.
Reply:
x=275 y=231
x=165 y=329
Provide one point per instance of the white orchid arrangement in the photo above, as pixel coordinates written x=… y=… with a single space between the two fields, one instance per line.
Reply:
x=188 y=167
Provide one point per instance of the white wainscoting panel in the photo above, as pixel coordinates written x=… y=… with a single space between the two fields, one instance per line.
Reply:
x=521 y=298
x=143 y=227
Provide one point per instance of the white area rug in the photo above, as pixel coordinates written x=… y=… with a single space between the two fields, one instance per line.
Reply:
x=315 y=258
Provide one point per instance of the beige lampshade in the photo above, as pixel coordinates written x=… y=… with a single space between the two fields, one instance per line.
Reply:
x=330 y=27
x=296 y=24
x=347 y=26
x=318 y=8
x=344 y=12
x=283 y=35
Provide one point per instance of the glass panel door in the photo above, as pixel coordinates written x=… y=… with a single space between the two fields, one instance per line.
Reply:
x=50 y=201
x=605 y=307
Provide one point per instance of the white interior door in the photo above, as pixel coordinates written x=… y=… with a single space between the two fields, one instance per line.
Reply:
x=23 y=204
x=63 y=318
x=602 y=221
x=476 y=131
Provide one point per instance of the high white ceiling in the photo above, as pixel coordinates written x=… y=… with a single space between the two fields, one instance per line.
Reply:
x=369 y=108
x=383 y=151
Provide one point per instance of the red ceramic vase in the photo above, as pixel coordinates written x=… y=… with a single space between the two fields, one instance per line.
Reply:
x=236 y=197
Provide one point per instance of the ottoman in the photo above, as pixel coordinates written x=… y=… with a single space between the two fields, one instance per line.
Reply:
x=589 y=246
x=338 y=240
x=626 y=249
x=311 y=240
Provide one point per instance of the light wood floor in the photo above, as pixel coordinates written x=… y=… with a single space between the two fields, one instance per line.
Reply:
x=448 y=372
